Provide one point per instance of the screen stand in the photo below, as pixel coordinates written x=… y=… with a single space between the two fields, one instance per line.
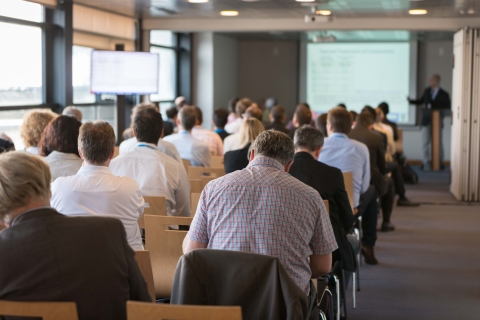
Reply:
x=121 y=106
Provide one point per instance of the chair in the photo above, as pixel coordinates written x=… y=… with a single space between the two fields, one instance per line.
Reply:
x=194 y=202
x=165 y=246
x=198 y=184
x=45 y=310
x=145 y=265
x=116 y=151
x=217 y=162
x=186 y=164
x=399 y=142
x=348 y=180
x=153 y=206
x=197 y=172
x=147 y=311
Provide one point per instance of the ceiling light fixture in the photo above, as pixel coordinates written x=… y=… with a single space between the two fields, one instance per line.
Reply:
x=229 y=13
x=323 y=12
x=197 y=1
x=417 y=11
x=305 y=0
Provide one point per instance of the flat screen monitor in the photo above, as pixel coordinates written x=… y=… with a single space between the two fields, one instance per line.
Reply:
x=120 y=72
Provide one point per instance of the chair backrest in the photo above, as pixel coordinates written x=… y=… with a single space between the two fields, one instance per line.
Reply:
x=145 y=265
x=44 y=310
x=148 y=311
x=186 y=163
x=153 y=206
x=165 y=246
x=399 y=142
x=197 y=172
x=197 y=185
x=194 y=202
x=217 y=162
x=327 y=206
x=116 y=151
x=348 y=179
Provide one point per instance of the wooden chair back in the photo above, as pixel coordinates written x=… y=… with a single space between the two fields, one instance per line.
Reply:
x=153 y=206
x=116 y=151
x=165 y=246
x=348 y=179
x=148 y=311
x=194 y=202
x=186 y=164
x=327 y=206
x=197 y=185
x=145 y=265
x=399 y=142
x=217 y=162
x=198 y=172
x=44 y=310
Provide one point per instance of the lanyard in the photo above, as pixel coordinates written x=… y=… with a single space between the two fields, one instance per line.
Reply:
x=146 y=145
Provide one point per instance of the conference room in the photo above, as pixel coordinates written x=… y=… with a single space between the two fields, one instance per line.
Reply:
x=239 y=159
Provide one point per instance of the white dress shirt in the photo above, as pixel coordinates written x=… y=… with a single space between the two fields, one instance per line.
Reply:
x=388 y=131
x=157 y=174
x=232 y=142
x=163 y=146
x=209 y=137
x=234 y=126
x=32 y=150
x=191 y=149
x=63 y=164
x=95 y=191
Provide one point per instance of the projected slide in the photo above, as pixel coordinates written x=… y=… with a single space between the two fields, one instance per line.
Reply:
x=359 y=74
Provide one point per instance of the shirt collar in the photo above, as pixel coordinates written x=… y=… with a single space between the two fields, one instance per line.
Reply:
x=30 y=210
x=94 y=169
x=145 y=144
x=262 y=161
x=304 y=154
x=338 y=135
x=183 y=132
x=65 y=156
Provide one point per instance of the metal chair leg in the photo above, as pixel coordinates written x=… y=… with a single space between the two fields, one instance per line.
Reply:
x=337 y=289
x=353 y=291
x=322 y=315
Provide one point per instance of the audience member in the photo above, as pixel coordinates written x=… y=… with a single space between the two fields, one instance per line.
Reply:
x=291 y=126
x=157 y=174
x=354 y=115
x=240 y=108
x=220 y=119
x=388 y=131
x=277 y=118
x=172 y=113
x=321 y=124
x=94 y=190
x=238 y=159
x=352 y=156
x=232 y=142
x=73 y=112
x=58 y=145
x=47 y=256
x=231 y=109
x=253 y=111
x=194 y=150
x=269 y=104
x=373 y=113
x=6 y=143
x=213 y=140
x=302 y=116
x=34 y=122
x=128 y=133
x=162 y=145
x=328 y=181
x=180 y=102
x=386 y=110
x=288 y=217
x=342 y=105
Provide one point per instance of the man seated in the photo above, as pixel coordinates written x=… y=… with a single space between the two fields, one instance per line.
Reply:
x=162 y=145
x=194 y=150
x=302 y=116
x=220 y=119
x=172 y=113
x=385 y=108
x=277 y=118
x=94 y=190
x=157 y=174
x=240 y=109
x=212 y=139
x=73 y=112
x=262 y=209
x=47 y=256
x=328 y=181
x=352 y=156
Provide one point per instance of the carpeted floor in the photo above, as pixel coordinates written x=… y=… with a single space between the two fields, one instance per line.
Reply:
x=429 y=266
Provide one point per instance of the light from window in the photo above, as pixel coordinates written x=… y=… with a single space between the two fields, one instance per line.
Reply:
x=163 y=38
x=20 y=9
x=20 y=65
x=167 y=76
x=105 y=113
x=81 y=70
x=10 y=122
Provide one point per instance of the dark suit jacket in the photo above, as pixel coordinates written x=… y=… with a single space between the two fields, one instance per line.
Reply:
x=441 y=102
x=236 y=159
x=46 y=256
x=167 y=128
x=6 y=145
x=257 y=283
x=328 y=181
x=277 y=126
x=374 y=141
x=222 y=133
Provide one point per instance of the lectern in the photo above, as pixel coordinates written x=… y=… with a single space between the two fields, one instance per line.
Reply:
x=436 y=140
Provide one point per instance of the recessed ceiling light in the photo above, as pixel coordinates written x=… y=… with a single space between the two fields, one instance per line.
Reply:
x=417 y=11
x=323 y=12
x=197 y=1
x=471 y=11
x=229 y=13
x=305 y=0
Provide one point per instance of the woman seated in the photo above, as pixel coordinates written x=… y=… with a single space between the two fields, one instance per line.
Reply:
x=34 y=122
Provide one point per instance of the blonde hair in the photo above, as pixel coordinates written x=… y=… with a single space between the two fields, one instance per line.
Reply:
x=24 y=178
x=33 y=124
x=249 y=131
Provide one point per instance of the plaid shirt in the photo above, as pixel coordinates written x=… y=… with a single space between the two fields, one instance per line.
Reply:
x=262 y=209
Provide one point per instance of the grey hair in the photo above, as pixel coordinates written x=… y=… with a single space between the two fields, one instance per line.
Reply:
x=308 y=137
x=73 y=112
x=276 y=145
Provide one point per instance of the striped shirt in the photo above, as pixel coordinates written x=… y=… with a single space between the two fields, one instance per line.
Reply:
x=262 y=209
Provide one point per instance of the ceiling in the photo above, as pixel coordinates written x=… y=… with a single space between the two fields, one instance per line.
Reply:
x=264 y=9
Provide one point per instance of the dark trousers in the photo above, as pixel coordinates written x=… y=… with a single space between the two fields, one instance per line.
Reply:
x=387 y=201
x=368 y=209
x=397 y=177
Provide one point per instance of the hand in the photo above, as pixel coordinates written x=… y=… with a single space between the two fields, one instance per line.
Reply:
x=409 y=100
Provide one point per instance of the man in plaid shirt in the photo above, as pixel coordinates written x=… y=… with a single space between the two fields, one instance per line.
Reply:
x=262 y=209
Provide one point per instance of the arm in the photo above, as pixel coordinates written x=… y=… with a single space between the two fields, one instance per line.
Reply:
x=320 y=264
x=418 y=101
x=190 y=245
x=197 y=236
x=343 y=204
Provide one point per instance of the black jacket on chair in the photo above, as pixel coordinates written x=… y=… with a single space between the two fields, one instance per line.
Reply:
x=258 y=283
x=236 y=159
x=328 y=181
x=46 y=256
x=441 y=102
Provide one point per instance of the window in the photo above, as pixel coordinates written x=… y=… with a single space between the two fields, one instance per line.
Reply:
x=163 y=38
x=20 y=9
x=81 y=70
x=10 y=122
x=164 y=43
x=100 y=112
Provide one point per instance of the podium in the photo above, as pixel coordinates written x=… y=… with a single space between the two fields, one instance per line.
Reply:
x=436 y=142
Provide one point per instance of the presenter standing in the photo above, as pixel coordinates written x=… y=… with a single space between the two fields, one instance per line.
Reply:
x=433 y=98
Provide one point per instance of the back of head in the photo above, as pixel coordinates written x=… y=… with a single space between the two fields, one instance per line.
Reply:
x=147 y=125
x=274 y=144
x=253 y=112
x=303 y=115
x=370 y=110
x=199 y=114
x=278 y=114
x=354 y=115
x=270 y=103
x=180 y=102
x=171 y=112
x=364 y=120
x=384 y=107
x=309 y=138
x=96 y=142
x=73 y=112
x=342 y=105
x=34 y=122
x=220 y=118
x=303 y=104
x=60 y=135
x=187 y=117
x=321 y=124
x=143 y=106
x=232 y=103
x=242 y=106
x=24 y=179
x=380 y=115
x=249 y=131
x=340 y=120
